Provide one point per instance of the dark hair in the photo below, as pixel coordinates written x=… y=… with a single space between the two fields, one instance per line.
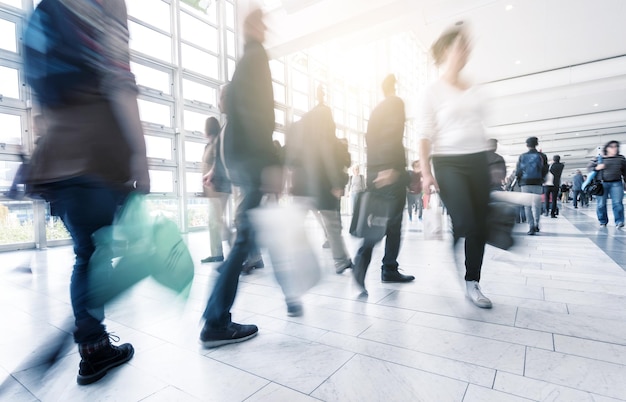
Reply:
x=212 y=127
x=447 y=38
x=608 y=144
x=556 y=158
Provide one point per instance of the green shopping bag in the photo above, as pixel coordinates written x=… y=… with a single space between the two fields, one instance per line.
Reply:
x=136 y=246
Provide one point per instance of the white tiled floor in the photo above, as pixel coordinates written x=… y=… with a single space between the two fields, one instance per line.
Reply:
x=557 y=331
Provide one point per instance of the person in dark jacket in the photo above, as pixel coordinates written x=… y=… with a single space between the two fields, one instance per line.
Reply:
x=386 y=174
x=414 y=191
x=532 y=167
x=497 y=166
x=252 y=164
x=577 y=185
x=612 y=172
x=319 y=173
x=551 y=188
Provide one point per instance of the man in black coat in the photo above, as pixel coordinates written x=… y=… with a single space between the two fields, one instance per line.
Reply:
x=551 y=188
x=386 y=176
x=253 y=165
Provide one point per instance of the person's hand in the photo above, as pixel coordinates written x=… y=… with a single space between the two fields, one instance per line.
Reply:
x=207 y=179
x=386 y=177
x=139 y=177
x=600 y=166
x=338 y=192
x=428 y=181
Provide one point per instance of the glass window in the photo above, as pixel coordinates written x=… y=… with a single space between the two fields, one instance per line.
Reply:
x=300 y=81
x=7 y=36
x=55 y=229
x=197 y=212
x=194 y=121
x=194 y=182
x=280 y=137
x=7 y=173
x=11 y=132
x=161 y=181
x=230 y=15
x=150 y=42
x=156 y=113
x=231 y=45
x=198 y=32
x=158 y=14
x=278 y=70
x=194 y=151
x=279 y=116
x=193 y=90
x=199 y=61
x=279 y=92
x=158 y=147
x=300 y=101
x=16 y=222
x=200 y=9
x=9 y=82
x=167 y=207
x=231 y=68
x=353 y=121
x=152 y=78
x=14 y=3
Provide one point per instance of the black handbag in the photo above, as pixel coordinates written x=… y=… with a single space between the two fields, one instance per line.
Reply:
x=595 y=188
x=370 y=216
x=500 y=221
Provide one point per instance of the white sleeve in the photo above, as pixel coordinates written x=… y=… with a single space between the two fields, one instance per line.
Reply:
x=426 y=118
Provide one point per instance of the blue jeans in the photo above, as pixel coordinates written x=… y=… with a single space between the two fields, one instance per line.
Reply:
x=84 y=205
x=616 y=190
x=217 y=311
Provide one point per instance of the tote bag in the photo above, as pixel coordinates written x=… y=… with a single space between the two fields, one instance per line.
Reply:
x=432 y=219
x=370 y=216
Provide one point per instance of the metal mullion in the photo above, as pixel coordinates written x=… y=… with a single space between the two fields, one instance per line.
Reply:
x=202 y=49
x=149 y=26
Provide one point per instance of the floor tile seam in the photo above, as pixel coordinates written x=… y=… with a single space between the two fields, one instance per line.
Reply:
x=20 y=383
x=506 y=392
x=166 y=386
x=554 y=331
x=621 y=345
x=354 y=355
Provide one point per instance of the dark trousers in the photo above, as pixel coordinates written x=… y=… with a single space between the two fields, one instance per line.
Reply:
x=575 y=195
x=396 y=194
x=414 y=200
x=464 y=189
x=84 y=205
x=217 y=312
x=551 y=193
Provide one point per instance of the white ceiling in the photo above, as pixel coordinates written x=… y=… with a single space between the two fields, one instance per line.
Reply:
x=556 y=68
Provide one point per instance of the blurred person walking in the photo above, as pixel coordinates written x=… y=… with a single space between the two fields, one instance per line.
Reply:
x=612 y=172
x=253 y=165
x=577 y=184
x=356 y=185
x=414 y=192
x=92 y=154
x=531 y=169
x=552 y=184
x=387 y=177
x=452 y=116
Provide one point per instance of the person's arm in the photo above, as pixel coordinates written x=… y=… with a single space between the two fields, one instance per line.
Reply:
x=428 y=131
x=428 y=179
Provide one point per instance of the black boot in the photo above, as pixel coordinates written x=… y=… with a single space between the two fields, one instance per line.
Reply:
x=391 y=274
x=99 y=357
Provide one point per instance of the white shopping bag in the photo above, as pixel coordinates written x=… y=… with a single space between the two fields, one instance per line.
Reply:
x=432 y=219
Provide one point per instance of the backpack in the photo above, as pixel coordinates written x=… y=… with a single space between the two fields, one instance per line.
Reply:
x=59 y=53
x=532 y=166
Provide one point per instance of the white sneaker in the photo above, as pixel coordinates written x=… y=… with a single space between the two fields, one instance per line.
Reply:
x=476 y=295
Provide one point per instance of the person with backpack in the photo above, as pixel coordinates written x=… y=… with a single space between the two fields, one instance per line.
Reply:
x=92 y=153
x=612 y=172
x=532 y=167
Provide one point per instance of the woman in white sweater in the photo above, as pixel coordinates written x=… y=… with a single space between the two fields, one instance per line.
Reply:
x=452 y=134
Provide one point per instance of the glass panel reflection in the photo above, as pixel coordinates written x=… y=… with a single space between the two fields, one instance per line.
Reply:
x=152 y=112
x=150 y=42
x=152 y=78
x=194 y=182
x=198 y=92
x=7 y=36
x=199 y=61
x=167 y=207
x=197 y=212
x=194 y=121
x=16 y=222
x=158 y=147
x=158 y=14
x=14 y=3
x=194 y=151
x=161 y=181
x=9 y=82
x=198 y=32
x=11 y=132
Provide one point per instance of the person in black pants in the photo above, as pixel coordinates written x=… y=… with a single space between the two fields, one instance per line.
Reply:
x=387 y=176
x=551 y=190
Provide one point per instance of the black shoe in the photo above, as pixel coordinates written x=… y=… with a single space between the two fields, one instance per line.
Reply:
x=233 y=333
x=326 y=244
x=100 y=357
x=295 y=309
x=249 y=266
x=217 y=258
x=531 y=232
x=394 y=276
x=358 y=272
x=552 y=216
x=340 y=270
